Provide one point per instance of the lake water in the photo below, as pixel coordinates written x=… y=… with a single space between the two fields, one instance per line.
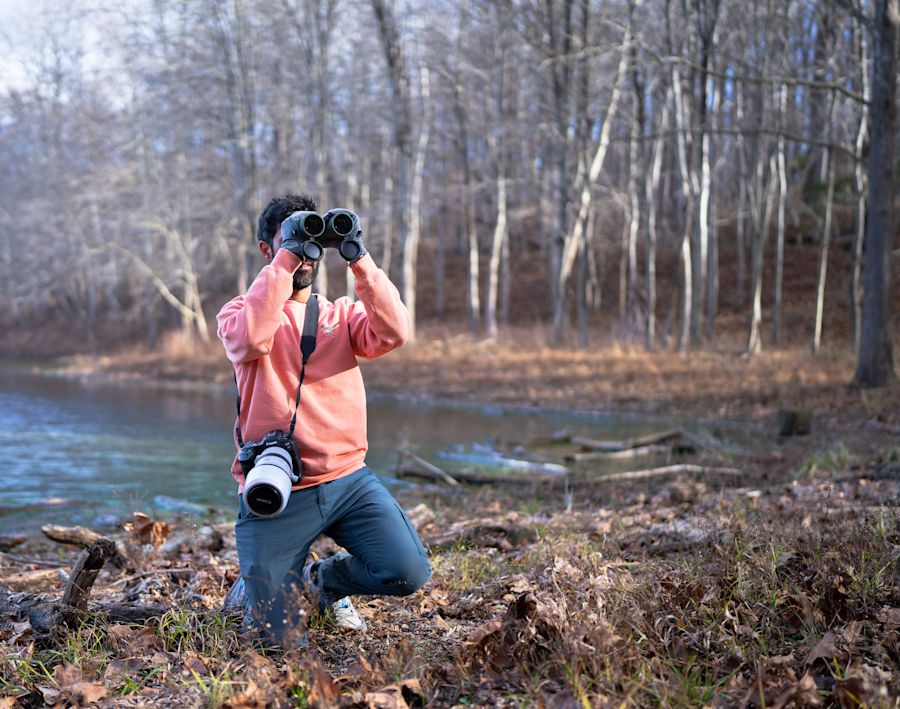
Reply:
x=77 y=451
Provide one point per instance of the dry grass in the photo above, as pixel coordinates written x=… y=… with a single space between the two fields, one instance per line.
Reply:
x=789 y=596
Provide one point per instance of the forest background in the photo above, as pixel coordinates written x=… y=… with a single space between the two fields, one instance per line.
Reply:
x=668 y=174
x=630 y=211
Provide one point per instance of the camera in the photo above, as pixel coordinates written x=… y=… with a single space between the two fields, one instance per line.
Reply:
x=306 y=228
x=272 y=468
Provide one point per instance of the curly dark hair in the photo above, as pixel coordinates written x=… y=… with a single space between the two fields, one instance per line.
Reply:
x=280 y=209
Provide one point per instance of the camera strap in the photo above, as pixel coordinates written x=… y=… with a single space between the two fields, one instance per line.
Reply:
x=307 y=347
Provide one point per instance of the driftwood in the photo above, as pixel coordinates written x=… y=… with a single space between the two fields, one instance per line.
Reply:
x=46 y=615
x=554 y=439
x=421 y=515
x=33 y=562
x=28 y=579
x=476 y=478
x=11 y=541
x=411 y=465
x=667 y=470
x=85 y=538
x=626 y=454
x=492 y=459
x=625 y=444
x=80 y=536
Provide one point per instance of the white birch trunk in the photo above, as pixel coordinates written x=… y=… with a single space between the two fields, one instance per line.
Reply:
x=652 y=186
x=411 y=247
x=782 y=201
x=573 y=239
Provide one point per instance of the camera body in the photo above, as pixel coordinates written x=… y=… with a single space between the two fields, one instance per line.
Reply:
x=271 y=468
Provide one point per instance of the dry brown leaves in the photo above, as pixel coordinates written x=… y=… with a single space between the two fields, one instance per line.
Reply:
x=146 y=531
x=70 y=689
x=520 y=639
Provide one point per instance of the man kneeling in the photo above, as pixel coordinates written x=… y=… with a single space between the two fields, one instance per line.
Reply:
x=323 y=414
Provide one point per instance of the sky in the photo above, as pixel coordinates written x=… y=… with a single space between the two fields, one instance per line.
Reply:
x=15 y=17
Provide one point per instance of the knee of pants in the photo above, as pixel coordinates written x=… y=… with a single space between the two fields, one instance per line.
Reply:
x=405 y=578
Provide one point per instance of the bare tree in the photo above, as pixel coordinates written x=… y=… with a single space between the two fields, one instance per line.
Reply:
x=875 y=361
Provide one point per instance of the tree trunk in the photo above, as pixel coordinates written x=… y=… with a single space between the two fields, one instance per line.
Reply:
x=500 y=236
x=875 y=362
x=782 y=201
x=754 y=344
x=573 y=239
x=859 y=174
x=652 y=186
x=742 y=177
x=411 y=247
x=401 y=107
x=712 y=257
x=823 y=253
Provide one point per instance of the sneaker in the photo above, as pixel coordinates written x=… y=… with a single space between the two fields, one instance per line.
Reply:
x=341 y=613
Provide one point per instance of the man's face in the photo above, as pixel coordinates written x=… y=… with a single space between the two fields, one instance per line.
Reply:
x=303 y=276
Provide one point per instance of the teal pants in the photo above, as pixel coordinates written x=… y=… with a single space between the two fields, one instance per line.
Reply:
x=357 y=512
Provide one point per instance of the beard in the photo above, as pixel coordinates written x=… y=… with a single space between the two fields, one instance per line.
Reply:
x=303 y=278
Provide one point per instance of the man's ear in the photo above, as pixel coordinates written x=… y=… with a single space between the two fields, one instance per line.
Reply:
x=265 y=250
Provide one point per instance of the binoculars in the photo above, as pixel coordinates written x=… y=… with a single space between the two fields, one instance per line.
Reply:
x=339 y=229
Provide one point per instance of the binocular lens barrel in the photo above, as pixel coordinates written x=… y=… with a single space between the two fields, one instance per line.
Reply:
x=342 y=224
x=313 y=225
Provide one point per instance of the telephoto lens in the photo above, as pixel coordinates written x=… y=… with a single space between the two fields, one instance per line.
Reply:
x=268 y=486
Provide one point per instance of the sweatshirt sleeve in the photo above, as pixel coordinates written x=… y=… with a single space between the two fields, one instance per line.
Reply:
x=379 y=322
x=247 y=324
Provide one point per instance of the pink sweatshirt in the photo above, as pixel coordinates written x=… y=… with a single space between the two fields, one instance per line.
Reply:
x=261 y=334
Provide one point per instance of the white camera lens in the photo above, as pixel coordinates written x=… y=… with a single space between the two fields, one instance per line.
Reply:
x=268 y=486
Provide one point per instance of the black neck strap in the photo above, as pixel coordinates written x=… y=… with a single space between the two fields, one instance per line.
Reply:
x=307 y=347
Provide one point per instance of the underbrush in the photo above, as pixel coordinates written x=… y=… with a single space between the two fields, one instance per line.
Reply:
x=762 y=596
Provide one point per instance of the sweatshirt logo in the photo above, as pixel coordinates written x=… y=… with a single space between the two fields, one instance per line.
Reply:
x=328 y=330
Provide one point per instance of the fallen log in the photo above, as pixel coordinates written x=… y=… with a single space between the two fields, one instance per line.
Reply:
x=479 y=479
x=30 y=561
x=625 y=444
x=554 y=439
x=23 y=580
x=492 y=459
x=422 y=468
x=667 y=470
x=626 y=454
x=85 y=538
x=80 y=536
x=47 y=615
x=11 y=541
x=421 y=515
